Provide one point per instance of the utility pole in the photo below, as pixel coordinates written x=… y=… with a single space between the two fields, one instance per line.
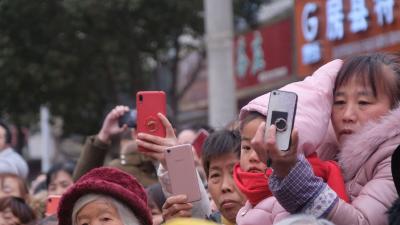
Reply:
x=45 y=137
x=222 y=107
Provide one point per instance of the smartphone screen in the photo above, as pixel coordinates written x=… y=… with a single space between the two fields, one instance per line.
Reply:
x=199 y=140
x=281 y=112
x=182 y=171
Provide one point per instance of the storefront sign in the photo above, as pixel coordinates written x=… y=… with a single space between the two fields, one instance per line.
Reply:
x=263 y=55
x=330 y=29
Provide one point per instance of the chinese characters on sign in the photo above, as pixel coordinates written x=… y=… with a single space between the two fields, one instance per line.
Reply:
x=327 y=29
x=263 y=55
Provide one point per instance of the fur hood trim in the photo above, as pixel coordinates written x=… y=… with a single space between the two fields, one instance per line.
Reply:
x=356 y=150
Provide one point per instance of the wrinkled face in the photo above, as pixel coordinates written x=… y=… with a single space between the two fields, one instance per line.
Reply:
x=10 y=187
x=249 y=160
x=222 y=187
x=99 y=212
x=354 y=105
x=7 y=217
x=59 y=183
x=2 y=138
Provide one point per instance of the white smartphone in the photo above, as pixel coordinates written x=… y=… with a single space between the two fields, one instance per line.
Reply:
x=281 y=112
x=182 y=171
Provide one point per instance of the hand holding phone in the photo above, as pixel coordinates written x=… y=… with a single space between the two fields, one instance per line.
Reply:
x=148 y=105
x=281 y=112
x=129 y=118
x=182 y=171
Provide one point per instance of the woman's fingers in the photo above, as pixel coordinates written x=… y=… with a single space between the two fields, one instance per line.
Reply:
x=258 y=143
x=154 y=139
x=168 y=126
x=174 y=200
x=150 y=146
x=176 y=206
x=294 y=142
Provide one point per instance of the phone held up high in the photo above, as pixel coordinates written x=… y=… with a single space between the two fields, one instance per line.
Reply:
x=128 y=118
x=281 y=112
x=148 y=105
x=182 y=171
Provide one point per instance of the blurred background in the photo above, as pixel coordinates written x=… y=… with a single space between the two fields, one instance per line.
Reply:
x=64 y=64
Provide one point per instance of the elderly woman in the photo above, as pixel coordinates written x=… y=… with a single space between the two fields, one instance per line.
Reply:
x=105 y=196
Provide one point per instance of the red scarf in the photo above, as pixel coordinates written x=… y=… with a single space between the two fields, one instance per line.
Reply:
x=255 y=185
x=330 y=172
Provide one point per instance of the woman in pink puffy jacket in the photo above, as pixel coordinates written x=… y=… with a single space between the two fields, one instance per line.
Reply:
x=312 y=120
x=365 y=118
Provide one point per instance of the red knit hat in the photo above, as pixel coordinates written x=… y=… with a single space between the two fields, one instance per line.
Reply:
x=111 y=182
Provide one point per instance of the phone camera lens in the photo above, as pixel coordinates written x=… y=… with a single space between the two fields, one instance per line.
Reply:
x=140 y=97
x=274 y=93
x=281 y=124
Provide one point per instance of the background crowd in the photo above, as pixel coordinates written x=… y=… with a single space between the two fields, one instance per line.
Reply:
x=342 y=166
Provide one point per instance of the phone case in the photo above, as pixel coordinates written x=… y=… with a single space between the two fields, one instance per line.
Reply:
x=52 y=204
x=182 y=171
x=281 y=112
x=129 y=118
x=199 y=140
x=148 y=105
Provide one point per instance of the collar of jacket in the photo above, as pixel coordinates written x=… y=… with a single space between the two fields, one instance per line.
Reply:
x=356 y=149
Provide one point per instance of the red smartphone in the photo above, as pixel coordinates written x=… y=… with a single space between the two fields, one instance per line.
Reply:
x=199 y=140
x=52 y=204
x=182 y=171
x=148 y=105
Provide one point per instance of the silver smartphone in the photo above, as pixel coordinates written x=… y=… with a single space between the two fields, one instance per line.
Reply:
x=182 y=171
x=281 y=112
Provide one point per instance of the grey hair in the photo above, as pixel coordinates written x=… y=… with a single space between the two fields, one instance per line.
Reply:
x=303 y=219
x=126 y=215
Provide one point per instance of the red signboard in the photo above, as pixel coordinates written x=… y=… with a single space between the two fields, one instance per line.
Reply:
x=263 y=55
x=330 y=29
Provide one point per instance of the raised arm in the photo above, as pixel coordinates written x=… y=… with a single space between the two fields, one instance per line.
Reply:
x=96 y=147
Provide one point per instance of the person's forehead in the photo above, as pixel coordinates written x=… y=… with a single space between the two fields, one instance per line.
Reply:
x=2 y=131
x=224 y=160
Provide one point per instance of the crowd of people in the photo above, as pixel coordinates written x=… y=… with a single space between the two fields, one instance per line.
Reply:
x=342 y=167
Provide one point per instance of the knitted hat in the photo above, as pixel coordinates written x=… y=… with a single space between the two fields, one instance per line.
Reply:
x=111 y=182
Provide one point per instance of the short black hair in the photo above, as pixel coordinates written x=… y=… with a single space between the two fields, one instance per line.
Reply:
x=220 y=143
x=369 y=68
x=252 y=115
x=8 y=132
x=68 y=167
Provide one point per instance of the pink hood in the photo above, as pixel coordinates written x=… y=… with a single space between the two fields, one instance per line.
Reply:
x=315 y=96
